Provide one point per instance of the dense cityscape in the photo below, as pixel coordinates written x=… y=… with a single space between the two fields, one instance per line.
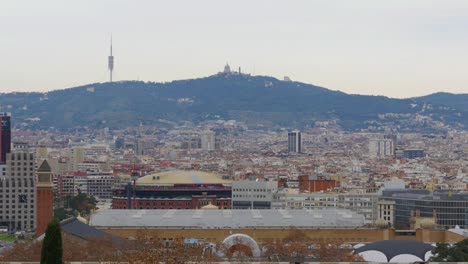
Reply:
x=212 y=131
x=233 y=183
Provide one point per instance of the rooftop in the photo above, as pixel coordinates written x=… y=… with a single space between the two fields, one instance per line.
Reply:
x=205 y=219
x=182 y=177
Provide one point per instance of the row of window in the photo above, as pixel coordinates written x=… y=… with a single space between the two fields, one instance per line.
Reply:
x=249 y=196
x=251 y=190
x=19 y=206
x=19 y=216
x=20 y=156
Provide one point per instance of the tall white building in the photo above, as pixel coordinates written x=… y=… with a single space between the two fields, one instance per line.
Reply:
x=208 y=140
x=380 y=148
x=18 y=191
x=294 y=141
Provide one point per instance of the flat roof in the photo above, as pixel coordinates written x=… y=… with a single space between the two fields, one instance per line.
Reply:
x=205 y=219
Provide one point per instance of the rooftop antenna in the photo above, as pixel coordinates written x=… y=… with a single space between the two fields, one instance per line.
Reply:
x=111 y=60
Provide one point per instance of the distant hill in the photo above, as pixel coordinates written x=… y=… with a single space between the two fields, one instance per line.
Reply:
x=256 y=100
x=457 y=101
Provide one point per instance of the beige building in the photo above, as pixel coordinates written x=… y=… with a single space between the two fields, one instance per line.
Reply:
x=386 y=211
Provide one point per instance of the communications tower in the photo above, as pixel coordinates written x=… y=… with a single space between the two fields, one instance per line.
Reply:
x=111 y=61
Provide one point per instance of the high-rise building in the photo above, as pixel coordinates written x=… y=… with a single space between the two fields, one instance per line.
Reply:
x=5 y=136
x=208 y=140
x=380 y=148
x=18 y=192
x=44 y=197
x=294 y=141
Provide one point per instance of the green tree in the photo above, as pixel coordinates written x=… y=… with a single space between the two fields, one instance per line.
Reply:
x=440 y=252
x=457 y=252
x=52 y=251
x=61 y=213
x=82 y=203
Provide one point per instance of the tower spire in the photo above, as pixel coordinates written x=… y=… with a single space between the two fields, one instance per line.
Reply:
x=111 y=61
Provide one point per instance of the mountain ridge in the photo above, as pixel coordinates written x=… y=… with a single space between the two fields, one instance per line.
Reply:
x=252 y=99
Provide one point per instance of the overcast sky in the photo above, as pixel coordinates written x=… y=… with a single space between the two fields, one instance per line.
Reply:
x=398 y=48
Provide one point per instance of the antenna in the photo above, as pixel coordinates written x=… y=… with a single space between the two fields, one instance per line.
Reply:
x=111 y=61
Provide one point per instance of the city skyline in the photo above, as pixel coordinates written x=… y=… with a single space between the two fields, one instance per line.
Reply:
x=397 y=49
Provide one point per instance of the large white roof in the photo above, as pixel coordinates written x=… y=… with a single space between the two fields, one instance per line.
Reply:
x=205 y=219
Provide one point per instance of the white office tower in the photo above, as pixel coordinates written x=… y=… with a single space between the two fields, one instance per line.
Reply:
x=381 y=148
x=208 y=140
x=294 y=141
x=18 y=192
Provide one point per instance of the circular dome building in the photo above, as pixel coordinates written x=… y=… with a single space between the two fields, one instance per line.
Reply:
x=176 y=189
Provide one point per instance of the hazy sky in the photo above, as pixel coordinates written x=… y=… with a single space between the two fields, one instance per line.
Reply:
x=398 y=48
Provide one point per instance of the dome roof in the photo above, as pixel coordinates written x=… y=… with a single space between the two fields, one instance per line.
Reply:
x=181 y=177
x=391 y=250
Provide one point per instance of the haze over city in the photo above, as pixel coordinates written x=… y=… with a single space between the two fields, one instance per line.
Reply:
x=393 y=48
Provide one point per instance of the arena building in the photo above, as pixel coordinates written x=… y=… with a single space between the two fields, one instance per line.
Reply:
x=174 y=190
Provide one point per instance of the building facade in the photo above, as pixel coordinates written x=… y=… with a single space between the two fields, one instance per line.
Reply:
x=295 y=141
x=5 y=136
x=208 y=141
x=364 y=204
x=174 y=190
x=18 y=192
x=386 y=211
x=381 y=148
x=451 y=209
x=99 y=185
x=316 y=183
x=253 y=194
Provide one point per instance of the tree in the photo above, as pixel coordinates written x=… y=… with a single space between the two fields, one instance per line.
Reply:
x=457 y=252
x=440 y=252
x=52 y=251
x=298 y=247
x=82 y=203
x=61 y=214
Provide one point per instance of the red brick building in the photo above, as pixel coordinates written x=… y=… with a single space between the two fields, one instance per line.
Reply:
x=174 y=190
x=316 y=183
